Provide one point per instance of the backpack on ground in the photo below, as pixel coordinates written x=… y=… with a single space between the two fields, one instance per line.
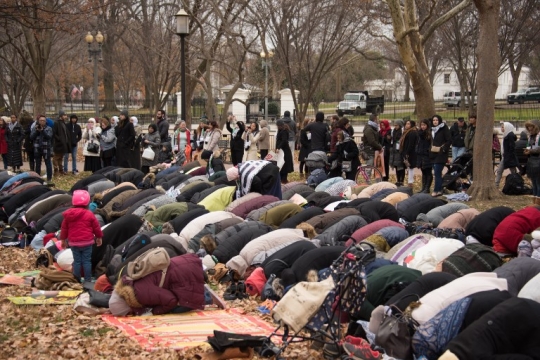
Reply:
x=515 y=185
x=150 y=261
x=9 y=237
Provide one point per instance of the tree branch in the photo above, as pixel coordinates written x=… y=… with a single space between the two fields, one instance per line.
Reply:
x=444 y=18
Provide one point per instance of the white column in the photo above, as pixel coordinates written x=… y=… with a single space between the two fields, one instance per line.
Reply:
x=287 y=101
x=178 y=104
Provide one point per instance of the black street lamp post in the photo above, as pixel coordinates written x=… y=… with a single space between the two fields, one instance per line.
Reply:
x=94 y=53
x=266 y=62
x=182 y=30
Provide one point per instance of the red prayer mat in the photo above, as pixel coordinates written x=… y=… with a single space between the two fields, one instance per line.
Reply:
x=180 y=331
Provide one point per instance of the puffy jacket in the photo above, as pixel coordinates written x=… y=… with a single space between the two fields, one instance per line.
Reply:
x=403 y=206
x=79 y=227
x=483 y=226
x=234 y=238
x=259 y=211
x=438 y=214
x=284 y=258
x=518 y=272
x=346 y=226
x=183 y=286
x=459 y=220
x=321 y=222
x=510 y=231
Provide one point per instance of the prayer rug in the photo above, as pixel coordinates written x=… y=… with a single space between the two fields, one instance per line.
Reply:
x=180 y=331
x=40 y=297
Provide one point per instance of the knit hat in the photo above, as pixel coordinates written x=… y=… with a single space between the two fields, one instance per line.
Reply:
x=117 y=305
x=398 y=122
x=379 y=242
x=61 y=113
x=209 y=262
x=125 y=113
x=471 y=258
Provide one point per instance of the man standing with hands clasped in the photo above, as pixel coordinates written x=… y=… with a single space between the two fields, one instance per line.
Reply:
x=61 y=142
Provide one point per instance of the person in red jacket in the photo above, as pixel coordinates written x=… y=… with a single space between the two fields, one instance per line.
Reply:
x=511 y=230
x=79 y=230
x=3 y=141
x=183 y=290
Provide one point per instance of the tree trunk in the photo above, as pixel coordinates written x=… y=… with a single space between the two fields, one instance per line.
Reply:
x=483 y=187
x=38 y=95
x=108 y=76
x=515 y=71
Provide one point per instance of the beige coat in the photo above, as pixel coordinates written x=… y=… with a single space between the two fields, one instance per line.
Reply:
x=459 y=220
x=264 y=136
x=251 y=154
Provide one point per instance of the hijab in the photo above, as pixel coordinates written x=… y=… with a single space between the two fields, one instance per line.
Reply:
x=508 y=128
x=386 y=128
x=91 y=123
x=134 y=120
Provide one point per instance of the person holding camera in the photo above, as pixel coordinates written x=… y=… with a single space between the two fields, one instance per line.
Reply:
x=236 y=128
x=41 y=136
x=91 y=150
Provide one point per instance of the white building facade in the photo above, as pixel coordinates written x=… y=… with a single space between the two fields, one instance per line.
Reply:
x=445 y=80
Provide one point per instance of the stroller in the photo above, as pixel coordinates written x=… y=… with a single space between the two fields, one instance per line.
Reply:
x=317 y=164
x=458 y=173
x=322 y=316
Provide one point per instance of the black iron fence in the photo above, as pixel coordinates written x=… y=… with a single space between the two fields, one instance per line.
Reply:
x=504 y=111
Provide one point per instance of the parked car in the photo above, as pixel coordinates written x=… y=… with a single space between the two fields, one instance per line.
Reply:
x=524 y=95
x=453 y=98
x=360 y=103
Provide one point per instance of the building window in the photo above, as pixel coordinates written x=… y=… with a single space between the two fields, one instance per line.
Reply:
x=447 y=78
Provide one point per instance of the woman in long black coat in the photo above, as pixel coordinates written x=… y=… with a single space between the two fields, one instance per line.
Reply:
x=14 y=137
x=305 y=147
x=237 y=143
x=422 y=155
x=441 y=147
x=282 y=144
x=408 y=148
x=125 y=139
x=346 y=150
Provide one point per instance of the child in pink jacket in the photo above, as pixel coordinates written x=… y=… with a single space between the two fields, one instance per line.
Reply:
x=80 y=229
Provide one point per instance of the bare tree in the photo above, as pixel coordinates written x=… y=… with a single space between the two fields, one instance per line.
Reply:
x=460 y=36
x=309 y=39
x=32 y=28
x=518 y=34
x=15 y=88
x=411 y=34
x=483 y=187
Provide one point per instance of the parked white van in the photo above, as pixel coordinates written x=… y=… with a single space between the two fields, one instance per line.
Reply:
x=453 y=98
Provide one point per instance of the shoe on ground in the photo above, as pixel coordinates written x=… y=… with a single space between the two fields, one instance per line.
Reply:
x=216 y=300
x=361 y=351
x=332 y=350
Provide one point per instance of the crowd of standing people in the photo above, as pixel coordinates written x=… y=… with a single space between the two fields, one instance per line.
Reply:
x=402 y=145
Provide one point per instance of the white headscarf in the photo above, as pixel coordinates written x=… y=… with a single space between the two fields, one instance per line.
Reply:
x=114 y=121
x=91 y=123
x=134 y=120
x=508 y=128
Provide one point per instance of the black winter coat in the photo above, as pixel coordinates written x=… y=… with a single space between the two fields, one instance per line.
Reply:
x=284 y=258
x=233 y=239
x=422 y=149
x=237 y=143
x=458 y=135
x=75 y=133
x=396 y=159
x=305 y=145
x=61 y=138
x=14 y=139
x=125 y=140
x=510 y=158
x=443 y=140
x=317 y=259
x=347 y=151
x=408 y=148
x=282 y=144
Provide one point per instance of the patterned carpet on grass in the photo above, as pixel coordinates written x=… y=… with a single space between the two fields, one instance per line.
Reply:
x=180 y=331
